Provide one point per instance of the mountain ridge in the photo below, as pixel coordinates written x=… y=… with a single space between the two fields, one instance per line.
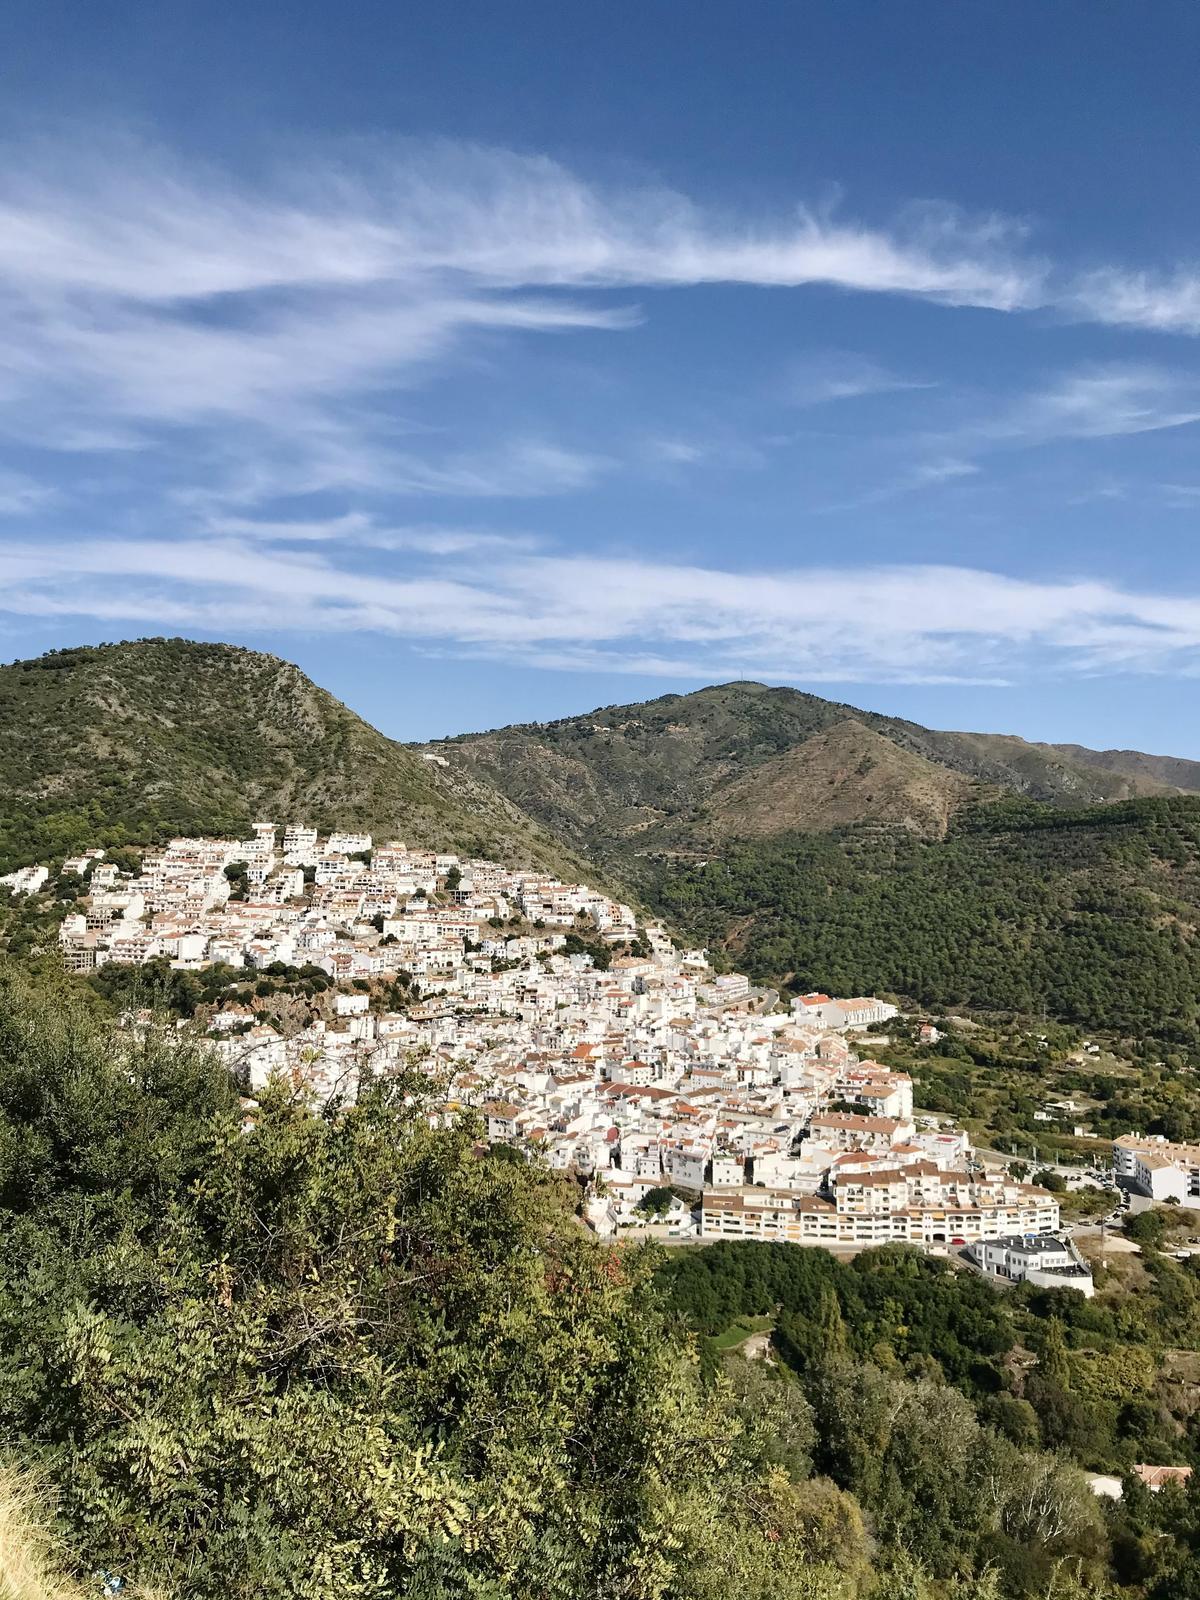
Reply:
x=129 y=742
x=153 y=734
x=674 y=772
x=808 y=841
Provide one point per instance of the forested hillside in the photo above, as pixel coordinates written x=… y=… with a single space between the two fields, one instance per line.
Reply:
x=133 y=742
x=1089 y=915
x=917 y=1380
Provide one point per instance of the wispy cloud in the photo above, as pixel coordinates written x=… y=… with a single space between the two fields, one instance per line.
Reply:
x=1098 y=403
x=142 y=296
x=258 y=342
x=356 y=528
x=842 y=375
x=928 y=623
x=921 y=475
x=1181 y=496
x=1093 y=403
x=375 y=261
x=20 y=495
x=132 y=223
x=1164 y=303
x=675 y=452
x=262 y=327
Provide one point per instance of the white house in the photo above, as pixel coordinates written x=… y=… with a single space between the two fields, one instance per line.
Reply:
x=25 y=880
x=1041 y=1259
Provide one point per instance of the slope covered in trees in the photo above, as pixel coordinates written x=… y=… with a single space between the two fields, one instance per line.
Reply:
x=343 y=1355
x=926 y=1392
x=1089 y=915
x=137 y=741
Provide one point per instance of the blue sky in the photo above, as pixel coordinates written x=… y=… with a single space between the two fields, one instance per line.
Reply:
x=498 y=362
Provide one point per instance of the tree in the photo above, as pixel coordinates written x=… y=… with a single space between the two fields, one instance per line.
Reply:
x=777 y=1420
x=1014 y=1418
x=1054 y=1364
x=1147 y=1228
x=125 y=860
x=830 y=1326
x=657 y=1202
x=238 y=873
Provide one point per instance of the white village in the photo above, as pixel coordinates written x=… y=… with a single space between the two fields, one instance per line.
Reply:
x=580 y=1038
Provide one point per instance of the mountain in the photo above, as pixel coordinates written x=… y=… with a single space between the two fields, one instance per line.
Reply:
x=1091 y=916
x=844 y=774
x=1169 y=771
x=812 y=843
x=815 y=844
x=136 y=741
x=684 y=774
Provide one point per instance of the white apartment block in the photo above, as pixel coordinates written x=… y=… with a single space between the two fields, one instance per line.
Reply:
x=775 y=1214
x=844 y=1130
x=1157 y=1168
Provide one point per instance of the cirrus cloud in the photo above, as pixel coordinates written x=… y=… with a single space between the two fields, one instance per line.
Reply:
x=258 y=328
x=918 y=623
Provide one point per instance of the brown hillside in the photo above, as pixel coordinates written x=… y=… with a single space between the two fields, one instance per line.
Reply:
x=836 y=779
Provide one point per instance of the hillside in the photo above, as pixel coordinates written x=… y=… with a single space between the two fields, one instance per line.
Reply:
x=686 y=773
x=354 y=1353
x=1091 y=916
x=841 y=775
x=816 y=844
x=136 y=741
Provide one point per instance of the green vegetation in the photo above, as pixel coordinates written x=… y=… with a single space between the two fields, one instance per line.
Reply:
x=1002 y=1081
x=1088 y=916
x=29 y=925
x=577 y=945
x=832 y=847
x=131 y=743
x=922 y=1382
x=1154 y=1229
x=688 y=773
x=177 y=992
x=33 y=1563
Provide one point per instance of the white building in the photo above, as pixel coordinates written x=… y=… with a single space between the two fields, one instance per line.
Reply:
x=1158 y=1168
x=729 y=989
x=960 y=1218
x=825 y=1012
x=348 y=844
x=1041 y=1259
x=25 y=880
x=299 y=845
